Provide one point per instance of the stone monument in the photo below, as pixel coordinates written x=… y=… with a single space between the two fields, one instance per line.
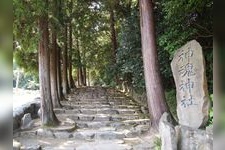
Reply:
x=27 y=121
x=188 y=67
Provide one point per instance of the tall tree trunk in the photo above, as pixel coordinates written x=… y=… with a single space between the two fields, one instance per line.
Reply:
x=53 y=71
x=59 y=75
x=80 y=72
x=71 y=81
x=65 y=62
x=57 y=9
x=84 y=76
x=70 y=69
x=48 y=116
x=113 y=34
x=81 y=76
x=113 y=40
x=78 y=77
x=88 y=78
x=155 y=92
x=83 y=68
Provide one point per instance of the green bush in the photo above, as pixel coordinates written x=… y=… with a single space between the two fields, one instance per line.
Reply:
x=27 y=81
x=171 y=102
x=158 y=144
x=210 y=121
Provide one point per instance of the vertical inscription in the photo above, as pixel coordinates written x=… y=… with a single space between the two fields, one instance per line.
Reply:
x=186 y=71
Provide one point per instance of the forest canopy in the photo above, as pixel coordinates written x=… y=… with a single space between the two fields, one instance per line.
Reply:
x=176 y=23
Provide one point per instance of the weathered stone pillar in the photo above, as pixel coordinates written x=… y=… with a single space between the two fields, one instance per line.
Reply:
x=188 y=67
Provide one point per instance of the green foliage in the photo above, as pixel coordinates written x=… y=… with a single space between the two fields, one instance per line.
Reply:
x=178 y=22
x=209 y=70
x=157 y=144
x=165 y=69
x=210 y=121
x=129 y=56
x=91 y=30
x=26 y=80
x=29 y=82
x=181 y=21
x=25 y=23
x=25 y=33
x=172 y=102
x=27 y=60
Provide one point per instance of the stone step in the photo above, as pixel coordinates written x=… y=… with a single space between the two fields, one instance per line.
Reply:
x=115 y=124
x=108 y=98
x=96 y=146
x=101 y=103
x=89 y=106
x=99 y=117
x=86 y=97
x=109 y=133
x=104 y=146
x=89 y=103
x=97 y=111
x=71 y=99
x=122 y=103
x=102 y=117
x=111 y=98
x=137 y=121
x=57 y=144
x=98 y=135
x=59 y=148
x=98 y=100
x=105 y=133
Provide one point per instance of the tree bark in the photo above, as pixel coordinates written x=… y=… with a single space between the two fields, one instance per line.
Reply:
x=113 y=40
x=53 y=71
x=81 y=76
x=79 y=69
x=113 y=34
x=71 y=81
x=59 y=75
x=48 y=116
x=78 y=77
x=65 y=64
x=84 y=76
x=155 y=92
x=88 y=78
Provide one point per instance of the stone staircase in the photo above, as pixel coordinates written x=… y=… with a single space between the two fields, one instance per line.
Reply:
x=92 y=119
